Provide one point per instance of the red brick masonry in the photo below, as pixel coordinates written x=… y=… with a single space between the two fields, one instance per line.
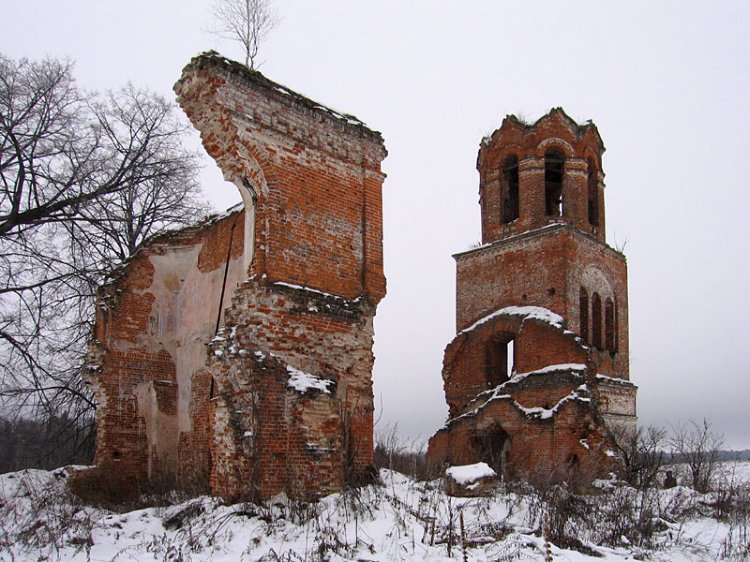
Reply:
x=280 y=398
x=537 y=378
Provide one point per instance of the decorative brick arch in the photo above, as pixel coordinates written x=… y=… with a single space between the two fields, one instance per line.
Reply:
x=253 y=189
x=552 y=143
x=467 y=365
x=494 y=190
x=497 y=158
x=595 y=280
x=595 y=155
x=598 y=286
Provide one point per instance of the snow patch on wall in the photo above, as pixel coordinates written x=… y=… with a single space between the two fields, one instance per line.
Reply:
x=535 y=413
x=548 y=369
x=302 y=382
x=526 y=312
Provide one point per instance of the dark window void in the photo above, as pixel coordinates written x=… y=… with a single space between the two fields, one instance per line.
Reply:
x=610 y=335
x=492 y=447
x=500 y=359
x=553 y=180
x=593 y=190
x=617 y=327
x=583 y=307
x=510 y=193
x=596 y=321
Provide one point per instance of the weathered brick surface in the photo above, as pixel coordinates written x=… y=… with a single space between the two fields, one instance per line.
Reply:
x=529 y=143
x=573 y=445
x=545 y=268
x=315 y=174
x=153 y=321
x=467 y=370
x=548 y=250
x=315 y=440
x=304 y=269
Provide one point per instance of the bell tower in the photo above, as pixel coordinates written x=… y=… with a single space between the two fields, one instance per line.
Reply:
x=537 y=175
x=537 y=377
x=541 y=194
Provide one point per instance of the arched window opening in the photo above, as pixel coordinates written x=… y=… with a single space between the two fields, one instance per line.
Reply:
x=492 y=447
x=583 y=306
x=553 y=182
x=593 y=190
x=596 y=321
x=249 y=193
x=609 y=326
x=617 y=327
x=510 y=196
x=500 y=360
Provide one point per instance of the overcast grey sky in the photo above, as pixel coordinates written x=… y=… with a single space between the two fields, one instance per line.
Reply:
x=667 y=84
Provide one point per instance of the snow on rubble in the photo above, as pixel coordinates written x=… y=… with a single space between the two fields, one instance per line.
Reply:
x=500 y=392
x=470 y=473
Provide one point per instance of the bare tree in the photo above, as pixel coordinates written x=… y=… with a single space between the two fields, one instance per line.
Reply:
x=84 y=180
x=394 y=452
x=698 y=446
x=643 y=453
x=113 y=226
x=246 y=21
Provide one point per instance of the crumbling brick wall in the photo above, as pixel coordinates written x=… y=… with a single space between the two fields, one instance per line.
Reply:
x=274 y=330
x=538 y=373
x=153 y=322
x=545 y=267
x=543 y=422
x=279 y=399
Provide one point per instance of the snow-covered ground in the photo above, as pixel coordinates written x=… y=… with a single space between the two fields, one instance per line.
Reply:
x=398 y=519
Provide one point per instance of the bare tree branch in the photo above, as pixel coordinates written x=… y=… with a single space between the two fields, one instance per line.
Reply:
x=246 y=21
x=85 y=179
x=698 y=446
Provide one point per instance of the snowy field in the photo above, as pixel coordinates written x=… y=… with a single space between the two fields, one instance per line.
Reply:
x=399 y=519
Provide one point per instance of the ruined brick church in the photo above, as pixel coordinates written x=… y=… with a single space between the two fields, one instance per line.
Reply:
x=235 y=356
x=537 y=377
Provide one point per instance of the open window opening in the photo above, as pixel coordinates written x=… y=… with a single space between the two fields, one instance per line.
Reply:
x=249 y=194
x=553 y=182
x=500 y=362
x=610 y=337
x=583 y=308
x=493 y=448
x=596 y=320
x=617 y=326
x=593 y=194
x=510 y=199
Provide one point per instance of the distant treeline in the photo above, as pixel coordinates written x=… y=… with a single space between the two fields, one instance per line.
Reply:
x=60 y=441
x=721 y=456
x=735 y=455
x=44 y=444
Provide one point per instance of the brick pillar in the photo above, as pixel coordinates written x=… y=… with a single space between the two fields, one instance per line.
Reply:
x=531 y=193
x=575 y=193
